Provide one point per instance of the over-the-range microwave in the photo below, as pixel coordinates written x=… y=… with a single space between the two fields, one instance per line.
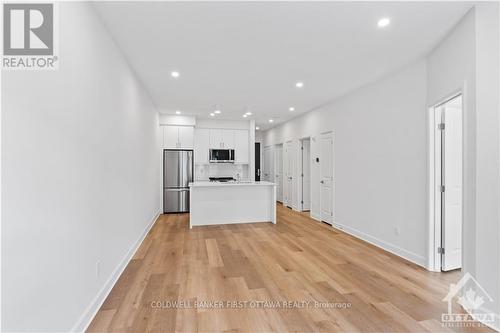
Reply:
x=221 y=156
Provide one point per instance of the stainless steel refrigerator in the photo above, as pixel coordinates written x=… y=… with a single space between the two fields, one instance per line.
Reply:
x=177 y=174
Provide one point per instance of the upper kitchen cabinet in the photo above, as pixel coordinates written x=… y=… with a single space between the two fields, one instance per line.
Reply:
x=186 y=137
x=170 y=137
x=221 y=138
x=178 y=137
x=201 y=145
x=241 y=146
x=228 y=139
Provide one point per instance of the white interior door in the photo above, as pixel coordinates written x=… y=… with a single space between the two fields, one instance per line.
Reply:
x=326 y=176
x=285 y=174
x=306 y=175
x=451 y=178
x=315 y=178
x=279 y=173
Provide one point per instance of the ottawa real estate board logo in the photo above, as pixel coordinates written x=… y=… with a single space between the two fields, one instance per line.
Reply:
x=474 y=299
x=30 y=32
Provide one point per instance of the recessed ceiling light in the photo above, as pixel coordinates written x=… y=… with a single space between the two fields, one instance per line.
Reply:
x=291 y=109
x=257 y=128
x=175 y=74
x=212 y=114
x=245 y=115
x=271 y=120
x=248 y=113
x=299 y=84
x=177 y=112
x=217 y=111
x=383 y=22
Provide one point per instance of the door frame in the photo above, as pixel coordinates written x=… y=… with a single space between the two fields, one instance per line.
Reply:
x=300 y=172
x=276 y=148
x=289 y=202
x=434 y=240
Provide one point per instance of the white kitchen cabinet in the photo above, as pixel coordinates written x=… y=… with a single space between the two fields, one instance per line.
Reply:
x=221 y=138
x=215 y=138
x=170 y=137
x=241 y=146
x=201 y=145
x=186 y=137
x=178 y=137
x=228 y=139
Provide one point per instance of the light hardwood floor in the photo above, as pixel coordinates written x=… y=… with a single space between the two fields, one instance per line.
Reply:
x=296 y=260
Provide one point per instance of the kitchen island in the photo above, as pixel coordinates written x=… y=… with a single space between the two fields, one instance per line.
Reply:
x=231 y=202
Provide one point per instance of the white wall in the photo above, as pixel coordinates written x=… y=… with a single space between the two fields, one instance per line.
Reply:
x=450 y=68
x=488 y=151
x=259 y=137
x=176 y=120
x=468 y=59
x=380 y=159
x=81 y=177
x=229 y=124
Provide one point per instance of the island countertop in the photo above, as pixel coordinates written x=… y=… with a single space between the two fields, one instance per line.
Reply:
x=205 y=183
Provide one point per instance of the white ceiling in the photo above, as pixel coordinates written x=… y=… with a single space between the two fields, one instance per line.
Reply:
x=243 y=56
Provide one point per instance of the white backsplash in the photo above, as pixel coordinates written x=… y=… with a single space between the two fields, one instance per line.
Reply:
x=204 y=171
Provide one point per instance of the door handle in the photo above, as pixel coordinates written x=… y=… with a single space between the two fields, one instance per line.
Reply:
x=322 y=182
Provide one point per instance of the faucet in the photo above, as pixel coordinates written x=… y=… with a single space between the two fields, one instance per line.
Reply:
x=238 y=177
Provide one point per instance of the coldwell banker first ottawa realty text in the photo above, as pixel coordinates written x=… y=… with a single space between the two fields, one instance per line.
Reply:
x=29 y=36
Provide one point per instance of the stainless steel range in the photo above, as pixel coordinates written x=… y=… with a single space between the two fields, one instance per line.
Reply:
x=221 y=179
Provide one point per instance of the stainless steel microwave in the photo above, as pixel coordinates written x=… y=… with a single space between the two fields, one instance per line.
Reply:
x=221 y=155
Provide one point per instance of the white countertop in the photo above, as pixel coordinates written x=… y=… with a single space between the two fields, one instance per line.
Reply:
x=219 y=184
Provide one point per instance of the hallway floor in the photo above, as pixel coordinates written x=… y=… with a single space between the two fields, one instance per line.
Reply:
x=314 y=279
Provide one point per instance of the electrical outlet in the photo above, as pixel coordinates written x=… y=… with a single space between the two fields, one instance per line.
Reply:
x=97 y=268
x=397 y=231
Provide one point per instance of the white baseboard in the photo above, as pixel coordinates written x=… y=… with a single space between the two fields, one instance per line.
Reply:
x=410 y=256
x=495 y=325
x=314 y=217
x=86 y=318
